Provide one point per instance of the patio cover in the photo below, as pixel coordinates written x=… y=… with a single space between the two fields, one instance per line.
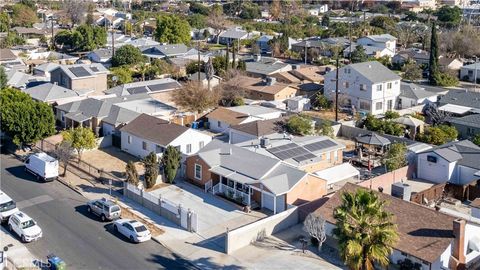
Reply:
x=338 y=173
x=457 y=109
x=232 y=175
x=373 y=139
x=409 y=121
x=77 y=117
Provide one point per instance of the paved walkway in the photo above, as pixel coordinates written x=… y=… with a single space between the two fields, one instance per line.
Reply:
x=17 y=253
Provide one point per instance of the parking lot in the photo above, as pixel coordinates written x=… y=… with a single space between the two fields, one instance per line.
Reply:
x=215 y=214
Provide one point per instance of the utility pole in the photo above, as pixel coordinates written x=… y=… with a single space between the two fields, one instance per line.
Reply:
x=307 y=44
x=336 y=89
x=199 y=66
x=113 y=43
x=475 y=80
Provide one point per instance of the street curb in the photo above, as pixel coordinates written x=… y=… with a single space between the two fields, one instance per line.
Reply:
x=178 y=254
x=63 y=182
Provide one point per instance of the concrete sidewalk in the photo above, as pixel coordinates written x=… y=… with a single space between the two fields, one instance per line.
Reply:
x=207 y=253
x=17 y=253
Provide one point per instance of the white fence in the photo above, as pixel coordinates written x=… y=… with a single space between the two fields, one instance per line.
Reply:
x=173 y=212
x=244 y=236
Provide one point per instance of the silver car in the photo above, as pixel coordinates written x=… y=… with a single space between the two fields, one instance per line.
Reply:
x=105 y=209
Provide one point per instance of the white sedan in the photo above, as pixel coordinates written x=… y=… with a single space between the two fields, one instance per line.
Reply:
x=132 y=229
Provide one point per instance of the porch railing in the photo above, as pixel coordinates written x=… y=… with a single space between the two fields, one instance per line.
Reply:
x=234 y=194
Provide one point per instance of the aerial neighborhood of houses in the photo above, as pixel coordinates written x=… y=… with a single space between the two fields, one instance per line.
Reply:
x=240 y=134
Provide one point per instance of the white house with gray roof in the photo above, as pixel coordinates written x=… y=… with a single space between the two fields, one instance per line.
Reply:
x=386 y=41
x=467 y=126
x=152 y=86
x=455 y=162
x=369 y=87
x=252 y=179
x=54 y=94
x=233 y=34
x=460 y=102
x=412 y=95
x=102 y=56
x=265 y=66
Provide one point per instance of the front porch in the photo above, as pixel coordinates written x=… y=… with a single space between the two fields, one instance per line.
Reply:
x=245 y=191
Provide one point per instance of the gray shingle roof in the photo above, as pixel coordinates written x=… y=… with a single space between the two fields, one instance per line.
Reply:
x=149 y=86
x=103 y=53
x=265 y=66
x=414 y=91
x=50 y=92
x=472 y=120
x=119 y=115
x=465 y=152
x=374 y=71
x=381 y=38
x=86 y=70
x=168 y=50
x=90 y=107
x=234 y=33
x=250 y=167
x=462 y=98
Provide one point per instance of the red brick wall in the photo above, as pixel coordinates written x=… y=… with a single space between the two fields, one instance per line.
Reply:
x=206 y=174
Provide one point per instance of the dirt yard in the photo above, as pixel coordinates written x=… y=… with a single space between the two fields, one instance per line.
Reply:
x=329 y=115
x=111 y=159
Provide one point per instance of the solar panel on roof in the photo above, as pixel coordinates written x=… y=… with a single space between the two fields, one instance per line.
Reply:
x=95 y=69
x=316 y=146
x=290 y=150
x=163 y=86
x=304 y=157
x=79 y=71
x=137 y=90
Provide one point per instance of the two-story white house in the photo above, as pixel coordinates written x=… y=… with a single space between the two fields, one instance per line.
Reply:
x=369 y=87
x=146 y=134
x=386 y=41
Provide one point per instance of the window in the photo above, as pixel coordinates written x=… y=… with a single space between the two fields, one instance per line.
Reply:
x=471 y=131
x=189 y=148
x=144 y=145
x=363 y=87
x=432 y=159
x=159 y=148
x=201 y=144
x=379 y=87
x=62 y=114
x=198 y=171
x=364 y=105
x=378 y=106
x=335 y=155
x=129 y=139
x=347 y=84
x=389 y=86
x=329 y=156
x=219 y=124
x=390 y=105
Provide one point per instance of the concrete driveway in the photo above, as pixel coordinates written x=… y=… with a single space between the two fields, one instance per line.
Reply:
x=215 y=214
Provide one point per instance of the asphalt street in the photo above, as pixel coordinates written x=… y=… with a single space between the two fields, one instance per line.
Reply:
x=80 y=239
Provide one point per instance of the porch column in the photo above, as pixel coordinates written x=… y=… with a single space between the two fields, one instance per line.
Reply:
x=274 y=205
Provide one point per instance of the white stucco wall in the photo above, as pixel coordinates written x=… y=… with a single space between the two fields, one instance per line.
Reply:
x=439 y=172
x=465 y=175
x=189 y=137
x=471 y=230
x=107 y=129
x=239 y=137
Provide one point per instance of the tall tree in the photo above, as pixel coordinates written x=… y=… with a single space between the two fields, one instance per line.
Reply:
x=193 y=97
x=359 y=55
x=365 y=231
x=411 y=71
x=449 y=16
x=299 y=125
x=131 y=172
x=150 y=162
x=172 y=29
x=127 y=55
x=4 y=22
x=23 y=15
x=3 y=78
x=171 y=162
x=64 y=153
x=396 y=156
x=81 y=139
x=75 y=11
x=209 y=72
x=433 y=61
x=217 y=20
x=23 y=119
x=315 y=227
x=275 y=9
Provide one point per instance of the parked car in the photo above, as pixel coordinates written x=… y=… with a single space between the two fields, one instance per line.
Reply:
x=43 y=166
x=132 y=229
x=25 y=227
x=7 y=207
x=105 y=209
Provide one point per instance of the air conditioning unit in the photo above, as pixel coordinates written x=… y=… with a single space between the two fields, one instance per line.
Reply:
x=402 y=191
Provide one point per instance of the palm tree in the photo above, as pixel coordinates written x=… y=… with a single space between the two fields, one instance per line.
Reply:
x=365 y=231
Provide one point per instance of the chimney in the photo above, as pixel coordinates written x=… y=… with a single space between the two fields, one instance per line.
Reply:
x=258 y=57
x=271 y=81
x=457 y=259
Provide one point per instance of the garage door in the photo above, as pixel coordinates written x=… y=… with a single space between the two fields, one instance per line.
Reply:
x=435 y=172
x=280 y=203
x=267 y=201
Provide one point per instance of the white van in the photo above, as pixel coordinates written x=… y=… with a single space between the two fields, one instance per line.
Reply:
x=7 y=207
x=43 y=166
